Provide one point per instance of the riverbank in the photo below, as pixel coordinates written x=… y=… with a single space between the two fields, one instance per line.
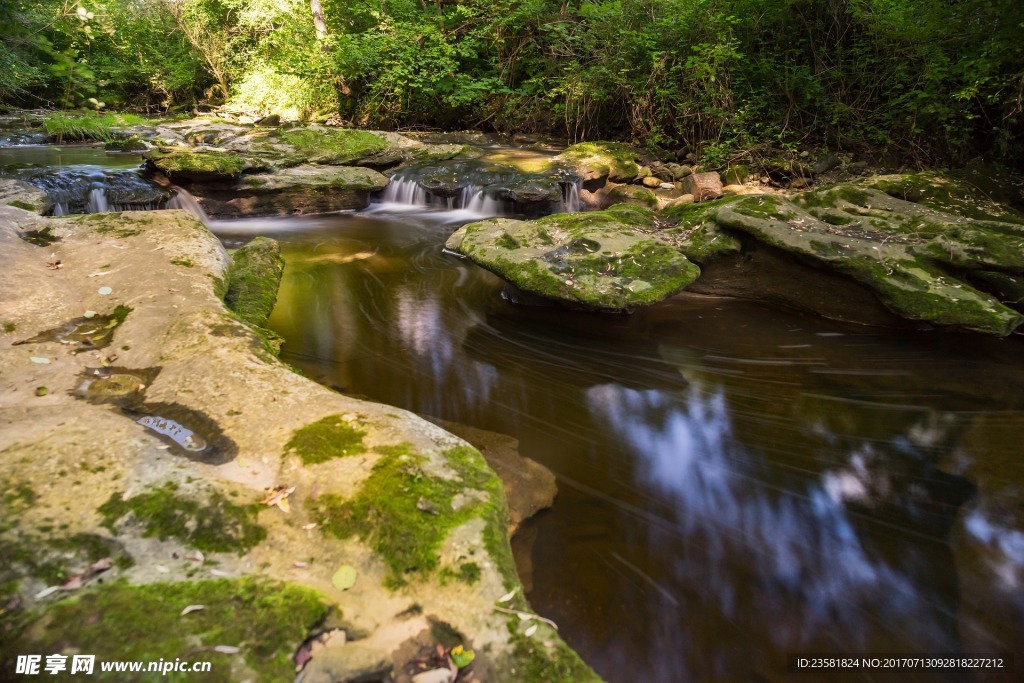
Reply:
x=158 y=458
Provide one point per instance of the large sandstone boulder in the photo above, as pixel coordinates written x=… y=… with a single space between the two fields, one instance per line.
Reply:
x=703 y=186
x=170 y=489
x=603 y=259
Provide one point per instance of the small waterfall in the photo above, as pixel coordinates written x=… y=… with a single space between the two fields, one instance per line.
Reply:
x=184 y=200
x=571 y=202
x=405 y=191
x=89 y=189
x=97 y=201
x=470 y=189
x=479 y=202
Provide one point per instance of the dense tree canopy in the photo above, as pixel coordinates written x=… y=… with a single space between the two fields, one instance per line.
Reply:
x=935 y=79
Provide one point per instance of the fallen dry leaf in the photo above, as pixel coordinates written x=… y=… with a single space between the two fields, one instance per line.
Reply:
x=227 y=649
x=192 y=608
x=55 y=265
x=279 y=496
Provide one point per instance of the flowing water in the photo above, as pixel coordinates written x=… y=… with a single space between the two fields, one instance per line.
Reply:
x=83 y=179
x=736 y=484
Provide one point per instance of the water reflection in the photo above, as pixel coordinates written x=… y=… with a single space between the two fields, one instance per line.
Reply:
x=736 y=483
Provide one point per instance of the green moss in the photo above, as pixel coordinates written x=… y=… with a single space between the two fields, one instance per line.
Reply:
x=24 y=205
x=54 y=560
x=253 y=280
x=337 y=146
x=186 y=262
x=266 y=620
x=330 y=437
x=10 y=327
x=17 y=496
x=200 y=165
x=612 y=159
x=533 y=662
x=403 y=512
x=506 y=241
x=212 y=524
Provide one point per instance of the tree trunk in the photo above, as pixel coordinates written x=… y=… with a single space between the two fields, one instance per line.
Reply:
x=318 y=21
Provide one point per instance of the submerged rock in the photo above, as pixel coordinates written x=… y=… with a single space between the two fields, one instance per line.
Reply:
x=253 y=280
x=604 y=259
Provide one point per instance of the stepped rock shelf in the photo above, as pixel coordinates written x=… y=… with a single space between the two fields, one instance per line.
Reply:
x=919 y=248
x=170 y=489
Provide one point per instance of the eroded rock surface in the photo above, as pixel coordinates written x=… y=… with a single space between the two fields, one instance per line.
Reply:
x=225 y=501
x=921 y=248
x=604 y=259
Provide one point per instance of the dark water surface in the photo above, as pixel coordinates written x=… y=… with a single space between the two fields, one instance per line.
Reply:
x=735 y=483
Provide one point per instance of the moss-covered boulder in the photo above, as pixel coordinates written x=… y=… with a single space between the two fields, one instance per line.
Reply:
x=637 y=195
x=200 y=500
x=253 y=280
x=197 y=165
x=596 y=162
x=917 y=257
x=604 y=259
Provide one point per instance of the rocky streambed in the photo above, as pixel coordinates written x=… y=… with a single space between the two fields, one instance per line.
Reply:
x=171 y=490
x=158 y=458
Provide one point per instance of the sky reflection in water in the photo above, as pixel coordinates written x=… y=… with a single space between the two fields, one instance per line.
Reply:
x=736 y=483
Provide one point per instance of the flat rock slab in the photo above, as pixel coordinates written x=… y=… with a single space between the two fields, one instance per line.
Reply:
x=140 y=421
x=916 y=258
x=301 y=189
x=604 y=259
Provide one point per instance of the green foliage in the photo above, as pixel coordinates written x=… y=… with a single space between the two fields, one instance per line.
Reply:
x=86 y=125
x=928 y=80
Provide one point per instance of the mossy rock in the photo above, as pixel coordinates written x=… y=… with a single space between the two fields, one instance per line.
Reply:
x=594 y=161
x=695 y=232
x=914 y=257
x=207 y=521
x=23 y=196
x=253 y=280
x=406 y=509
x=633 y=194
x=186 y=163
x=264 y=620
x=325 y=146
x=604 y=259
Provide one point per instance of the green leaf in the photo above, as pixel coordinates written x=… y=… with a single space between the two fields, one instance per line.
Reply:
x=344 y=578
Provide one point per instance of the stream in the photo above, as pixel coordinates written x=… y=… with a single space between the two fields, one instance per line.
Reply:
x=738 y=485
x=735 y=483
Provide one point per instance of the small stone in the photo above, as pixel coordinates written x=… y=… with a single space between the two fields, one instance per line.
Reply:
x=651 y=181
x=104 y=291
x=433 y=676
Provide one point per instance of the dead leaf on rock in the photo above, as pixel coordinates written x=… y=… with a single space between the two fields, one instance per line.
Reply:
x=55 y=265
x=279 y=496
